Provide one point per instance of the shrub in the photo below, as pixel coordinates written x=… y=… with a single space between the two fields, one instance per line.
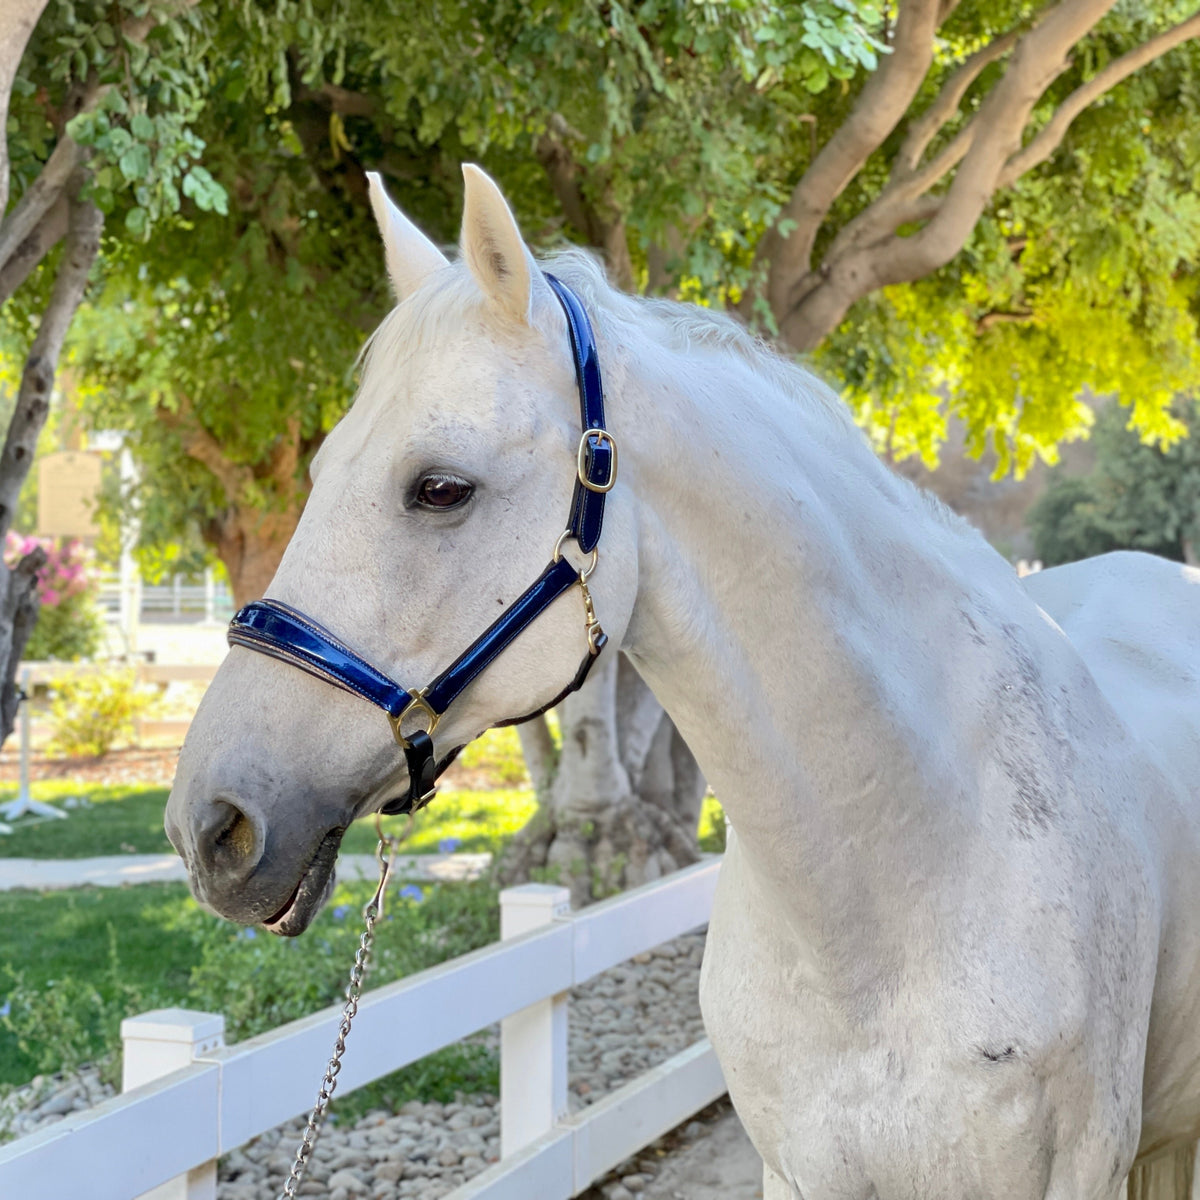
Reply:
x=1138 y=497
x=260 y=981
x=69 y=625
x=90 y=713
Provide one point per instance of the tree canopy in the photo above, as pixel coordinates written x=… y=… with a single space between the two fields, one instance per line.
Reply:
x=979 y=208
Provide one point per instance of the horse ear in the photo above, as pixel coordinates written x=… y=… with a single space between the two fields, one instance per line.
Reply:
x=493 y=249
x=411 y=256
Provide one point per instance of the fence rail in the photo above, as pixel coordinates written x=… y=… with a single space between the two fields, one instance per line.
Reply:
x=210 y=600
x=146 y=729
x=170 y=1130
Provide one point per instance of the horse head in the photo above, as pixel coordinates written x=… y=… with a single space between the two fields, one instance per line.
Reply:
x=435 y=502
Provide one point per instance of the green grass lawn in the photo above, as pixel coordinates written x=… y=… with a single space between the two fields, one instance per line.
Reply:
x=74 y=963
x=120 y=820
x=53 y=941
x=128 y=820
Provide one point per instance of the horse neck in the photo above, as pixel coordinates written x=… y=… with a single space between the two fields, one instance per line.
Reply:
x=799 y=615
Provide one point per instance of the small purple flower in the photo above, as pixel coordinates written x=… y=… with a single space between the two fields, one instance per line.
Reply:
x=5 y=1008
x=248 y=934
x=339 y=913
x=448 y=845
x=410 y=891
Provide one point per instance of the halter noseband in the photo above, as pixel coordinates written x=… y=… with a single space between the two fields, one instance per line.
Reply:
x=284 y=633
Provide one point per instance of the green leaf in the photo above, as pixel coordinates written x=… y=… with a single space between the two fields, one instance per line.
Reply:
x=135 y=162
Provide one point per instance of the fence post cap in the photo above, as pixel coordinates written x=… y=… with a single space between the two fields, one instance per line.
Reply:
x=174 y=1025
x=535 y=895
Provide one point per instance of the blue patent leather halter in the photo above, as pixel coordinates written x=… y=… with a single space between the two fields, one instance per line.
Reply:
x=284 y=633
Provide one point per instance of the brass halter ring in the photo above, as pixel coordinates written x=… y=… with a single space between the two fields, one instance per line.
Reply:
x=593 y=558
x=418 y=703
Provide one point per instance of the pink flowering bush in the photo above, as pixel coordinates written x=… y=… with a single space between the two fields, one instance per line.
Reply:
x=69 y=625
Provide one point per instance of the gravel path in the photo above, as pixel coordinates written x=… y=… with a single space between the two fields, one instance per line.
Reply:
x=621 y=1023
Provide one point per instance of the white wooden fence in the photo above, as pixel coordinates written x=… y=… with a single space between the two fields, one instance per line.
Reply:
x=166 y=1130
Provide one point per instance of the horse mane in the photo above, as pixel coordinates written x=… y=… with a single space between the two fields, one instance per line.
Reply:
x=682 y=327
x=622 y=319
x=451 y=293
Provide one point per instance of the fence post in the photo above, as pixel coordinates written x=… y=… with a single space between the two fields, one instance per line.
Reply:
x=155 y=1044
x=210 y=597
x=533 y=1042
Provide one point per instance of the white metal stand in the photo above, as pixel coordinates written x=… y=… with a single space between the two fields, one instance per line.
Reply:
x=25 y=803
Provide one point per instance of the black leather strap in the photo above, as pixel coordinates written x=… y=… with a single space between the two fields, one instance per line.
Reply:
x=422 y=776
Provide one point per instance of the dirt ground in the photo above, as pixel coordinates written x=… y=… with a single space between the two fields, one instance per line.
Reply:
x=151 y=766
x=718 y=1164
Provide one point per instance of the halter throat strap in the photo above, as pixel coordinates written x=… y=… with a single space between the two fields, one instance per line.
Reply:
x=284 y=633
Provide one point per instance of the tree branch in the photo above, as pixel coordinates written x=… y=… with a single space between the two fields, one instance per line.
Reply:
x=883 y=101
x=1048 y=138
x=18 y=19
x=282 y=465
x=990 y=319
x=38 y=198
x=899 y=203
x=945 y=10
x=541 y=755
x=37 y=380
x=945 y=104
x=606 y=233
x=347 y=103
x=1040 y=56
x=200 y=445
x=46 y=235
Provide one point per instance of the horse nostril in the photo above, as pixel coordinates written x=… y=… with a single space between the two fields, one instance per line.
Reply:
x=228 y=839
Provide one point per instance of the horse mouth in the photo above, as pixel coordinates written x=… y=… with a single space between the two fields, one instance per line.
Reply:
x=315 y=887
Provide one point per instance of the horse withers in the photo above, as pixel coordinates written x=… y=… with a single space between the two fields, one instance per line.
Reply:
x=955 y=945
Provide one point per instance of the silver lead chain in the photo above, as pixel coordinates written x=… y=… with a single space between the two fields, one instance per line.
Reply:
x=362 y=956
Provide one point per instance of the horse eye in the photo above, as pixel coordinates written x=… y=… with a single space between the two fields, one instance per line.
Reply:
x=442 y=491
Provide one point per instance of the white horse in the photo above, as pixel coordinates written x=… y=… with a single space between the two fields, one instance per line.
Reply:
x=955 y=947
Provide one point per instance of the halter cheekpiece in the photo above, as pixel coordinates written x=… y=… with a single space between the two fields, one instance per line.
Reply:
x=286 y=634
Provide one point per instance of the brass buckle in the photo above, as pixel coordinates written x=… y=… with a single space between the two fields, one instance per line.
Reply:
x=581 y=460
x=419 y=702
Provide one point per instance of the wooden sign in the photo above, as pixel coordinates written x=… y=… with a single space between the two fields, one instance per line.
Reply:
x=68 y=487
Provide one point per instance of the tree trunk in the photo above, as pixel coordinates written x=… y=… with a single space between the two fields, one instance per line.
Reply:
x=250 y=544
x=17 y=19
x=621 y=805
x=18 y=585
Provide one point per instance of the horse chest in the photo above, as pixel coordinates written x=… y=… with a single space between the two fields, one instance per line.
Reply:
x=930 y=1096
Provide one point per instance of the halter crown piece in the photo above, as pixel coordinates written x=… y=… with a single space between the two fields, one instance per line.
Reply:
x=286 y=634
